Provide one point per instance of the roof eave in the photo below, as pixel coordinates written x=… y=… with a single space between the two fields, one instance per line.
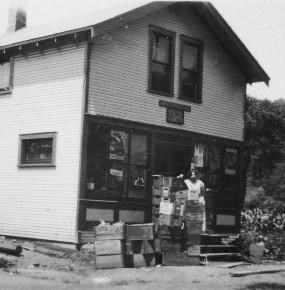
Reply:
x=253 y=70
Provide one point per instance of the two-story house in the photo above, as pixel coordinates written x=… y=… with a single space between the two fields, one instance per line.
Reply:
x=91 y=110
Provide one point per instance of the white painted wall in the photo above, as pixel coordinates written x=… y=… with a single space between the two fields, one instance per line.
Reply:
x=119 y=78
x=47 y=97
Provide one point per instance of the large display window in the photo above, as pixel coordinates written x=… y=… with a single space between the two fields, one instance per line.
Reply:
x=117 y=164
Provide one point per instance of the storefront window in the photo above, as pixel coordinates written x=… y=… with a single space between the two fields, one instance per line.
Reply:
x=116 y=164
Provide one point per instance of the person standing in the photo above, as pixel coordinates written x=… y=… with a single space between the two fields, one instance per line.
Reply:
x=196 y=192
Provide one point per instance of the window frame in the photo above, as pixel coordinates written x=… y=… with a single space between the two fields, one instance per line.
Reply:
x=33 y=136
x=8 y=89
x=127 y=164
x=162 y=31
x=200 y=45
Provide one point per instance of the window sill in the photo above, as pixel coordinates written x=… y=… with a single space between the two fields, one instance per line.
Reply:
x=169 y=95
x=35 y=165
x=5 y=91
x=190 y=100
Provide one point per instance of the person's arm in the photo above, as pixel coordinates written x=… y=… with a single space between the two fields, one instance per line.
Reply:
x=202 y=191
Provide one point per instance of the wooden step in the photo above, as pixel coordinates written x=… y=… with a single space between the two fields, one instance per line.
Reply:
x=220 y=254
x=218 y=246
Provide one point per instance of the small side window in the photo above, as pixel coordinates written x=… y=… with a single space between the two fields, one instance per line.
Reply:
x=6 y=76
x=191 y=70
x=37 y=150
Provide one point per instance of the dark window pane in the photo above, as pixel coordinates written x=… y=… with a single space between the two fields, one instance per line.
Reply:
x=97 y=165
x=117 y=181
x=139 y=149
x=190 y=57
x=4 y=75
x=160 y=78
x=189 y=85
x=119 y=145
x=37 y=151
x=137 y=182
x=161 y=48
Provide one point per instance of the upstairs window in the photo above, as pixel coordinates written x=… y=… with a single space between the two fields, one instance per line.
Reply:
x=5 y=76
x=161 y=61
x=191 y=70
x=37 y=150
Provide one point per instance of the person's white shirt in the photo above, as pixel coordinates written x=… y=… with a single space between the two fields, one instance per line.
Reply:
x=195 y=189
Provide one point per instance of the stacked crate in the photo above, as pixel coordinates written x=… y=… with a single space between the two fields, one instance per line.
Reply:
x=109 y=246
x=156 y=197
x=140 y=245
x=193 y=228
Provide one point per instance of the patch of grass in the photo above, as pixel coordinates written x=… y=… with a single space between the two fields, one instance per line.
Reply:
x=264 y=286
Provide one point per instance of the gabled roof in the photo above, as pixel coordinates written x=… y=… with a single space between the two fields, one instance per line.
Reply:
x=120 y=15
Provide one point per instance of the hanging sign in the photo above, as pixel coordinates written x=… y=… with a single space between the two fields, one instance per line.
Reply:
x=175 y=112
x=199 y=154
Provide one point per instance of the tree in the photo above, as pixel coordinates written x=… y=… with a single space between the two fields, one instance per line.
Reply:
x=264 y=137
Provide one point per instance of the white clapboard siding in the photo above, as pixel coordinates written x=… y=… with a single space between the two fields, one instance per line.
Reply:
x=119 y=78
x=47 y=97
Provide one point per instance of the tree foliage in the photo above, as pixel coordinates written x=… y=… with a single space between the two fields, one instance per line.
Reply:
x=264 y=137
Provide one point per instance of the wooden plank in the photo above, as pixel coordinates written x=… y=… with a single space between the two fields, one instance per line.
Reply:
x=221 y=254
x=254 y=272
x=109 y=261
x=108 y=247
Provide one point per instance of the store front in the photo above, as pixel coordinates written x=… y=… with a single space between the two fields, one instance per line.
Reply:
x=122 y=157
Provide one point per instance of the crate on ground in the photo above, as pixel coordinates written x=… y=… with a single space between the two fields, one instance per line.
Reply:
x=109 y=247
x=179 y=259
x=110 y=261
x=193 y=250
x=167 y=245
x=140 y=232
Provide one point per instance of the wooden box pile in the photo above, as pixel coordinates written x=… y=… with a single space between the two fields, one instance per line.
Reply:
x=120 y=245
x=109 y=246
x=193 y=227
x=140 y=245
x=170 y=209
x=168 y=200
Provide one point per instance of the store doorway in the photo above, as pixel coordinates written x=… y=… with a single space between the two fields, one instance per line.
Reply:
x=173 y=155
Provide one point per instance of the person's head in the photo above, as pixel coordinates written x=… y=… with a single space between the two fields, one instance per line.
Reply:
x=193 y=175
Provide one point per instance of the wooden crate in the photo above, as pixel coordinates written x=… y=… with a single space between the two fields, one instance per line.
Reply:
x=108 y=247
x=193 y=250
x=165 y=219
x=110 y=232
x=179 y=259
x=170 y=245
x=140 y=232
x=155 y=210
x=109 y=261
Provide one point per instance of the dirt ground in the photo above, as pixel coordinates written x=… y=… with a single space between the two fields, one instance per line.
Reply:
x=52 y=266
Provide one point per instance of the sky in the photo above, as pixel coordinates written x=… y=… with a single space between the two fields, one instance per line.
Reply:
x=260 y=24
